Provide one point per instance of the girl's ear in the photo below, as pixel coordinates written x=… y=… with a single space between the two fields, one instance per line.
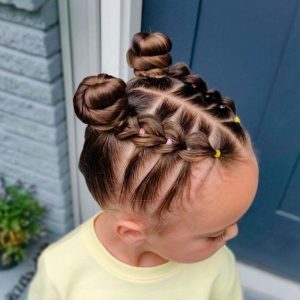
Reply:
x=131 y=232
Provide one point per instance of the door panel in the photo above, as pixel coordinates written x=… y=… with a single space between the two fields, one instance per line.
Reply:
x=249 y=50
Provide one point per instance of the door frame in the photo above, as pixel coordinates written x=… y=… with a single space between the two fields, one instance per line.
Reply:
x=95 y=36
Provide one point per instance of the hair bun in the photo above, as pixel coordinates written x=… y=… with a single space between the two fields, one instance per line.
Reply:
x=149 y=54
x=100 y=100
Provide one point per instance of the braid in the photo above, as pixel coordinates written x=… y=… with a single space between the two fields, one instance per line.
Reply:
x=162 y=120
x=216 y=105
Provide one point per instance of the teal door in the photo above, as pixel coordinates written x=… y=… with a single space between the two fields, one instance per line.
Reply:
x=250 y=51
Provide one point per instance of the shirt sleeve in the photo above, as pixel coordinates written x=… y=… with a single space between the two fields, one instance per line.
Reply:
x=227 y=285
x=41 y=286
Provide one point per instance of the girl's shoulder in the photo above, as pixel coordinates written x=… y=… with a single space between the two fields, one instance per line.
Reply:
x=224 y=262
x=224 y=257
x=65 y=241
x=70 y=240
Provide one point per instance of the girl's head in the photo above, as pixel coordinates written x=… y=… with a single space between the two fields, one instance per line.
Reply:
x=165 y=155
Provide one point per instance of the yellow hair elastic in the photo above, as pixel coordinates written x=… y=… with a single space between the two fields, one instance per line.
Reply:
x=218 y=153
x=237 y=120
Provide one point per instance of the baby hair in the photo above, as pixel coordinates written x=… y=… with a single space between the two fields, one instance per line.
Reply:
x=164 y=112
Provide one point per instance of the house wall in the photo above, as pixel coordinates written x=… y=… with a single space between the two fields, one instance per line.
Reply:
x=33 y=133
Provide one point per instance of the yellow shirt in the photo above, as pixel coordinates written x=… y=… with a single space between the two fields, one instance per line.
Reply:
x=79 y=267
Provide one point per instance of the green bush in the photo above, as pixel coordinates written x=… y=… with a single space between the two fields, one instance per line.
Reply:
x=20 y=220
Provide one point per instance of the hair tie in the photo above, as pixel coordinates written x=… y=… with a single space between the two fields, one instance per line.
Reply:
x=142 y=131
x=218 y=153
x=237 y=120
x=169 y=141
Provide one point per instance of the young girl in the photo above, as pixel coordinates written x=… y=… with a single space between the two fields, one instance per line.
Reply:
x=173 y=170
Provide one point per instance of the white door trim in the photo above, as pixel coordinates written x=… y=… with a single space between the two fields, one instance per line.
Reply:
x=116 y=35
x=95 y=36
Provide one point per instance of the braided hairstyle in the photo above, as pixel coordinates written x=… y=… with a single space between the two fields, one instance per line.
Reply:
x=131 y=124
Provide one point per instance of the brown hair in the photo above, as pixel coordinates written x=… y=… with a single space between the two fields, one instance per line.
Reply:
x=166 y=101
